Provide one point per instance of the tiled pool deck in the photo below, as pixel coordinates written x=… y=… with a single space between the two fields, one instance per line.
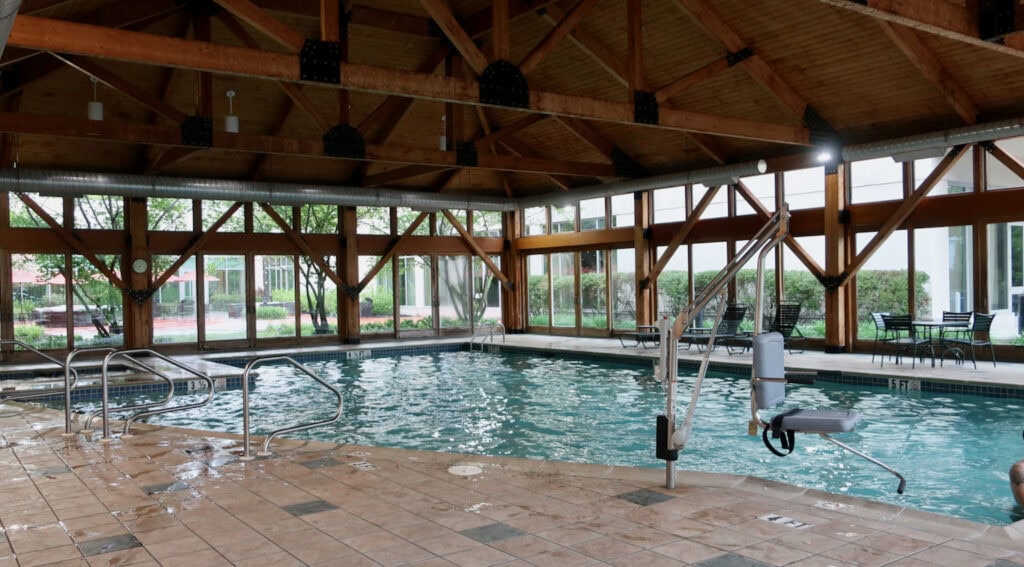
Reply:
x=175 y=497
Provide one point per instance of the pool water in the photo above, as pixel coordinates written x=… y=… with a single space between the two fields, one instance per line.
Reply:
x=954 y=450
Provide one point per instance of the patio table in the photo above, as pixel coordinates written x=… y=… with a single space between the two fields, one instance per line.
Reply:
x=932 y=342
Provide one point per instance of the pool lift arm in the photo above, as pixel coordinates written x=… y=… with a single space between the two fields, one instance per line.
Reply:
x=671 y=440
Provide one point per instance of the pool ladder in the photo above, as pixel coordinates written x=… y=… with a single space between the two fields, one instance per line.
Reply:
x=488 y=335
x=150 y=408
x=247 y=456
x=70 y=381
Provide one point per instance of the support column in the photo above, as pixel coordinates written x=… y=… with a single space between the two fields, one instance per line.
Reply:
x=645 y=311
x=138 y=318
x=836 y=328
x=513 y=307
x=348 y=268
x=980 y=240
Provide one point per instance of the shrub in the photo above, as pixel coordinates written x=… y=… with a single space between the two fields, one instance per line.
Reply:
x=282 y=295
x=220 y=302
x=28 y=333
x=271 y=312
x=383 y=301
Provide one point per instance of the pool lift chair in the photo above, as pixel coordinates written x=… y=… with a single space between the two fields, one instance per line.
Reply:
x=768 y=373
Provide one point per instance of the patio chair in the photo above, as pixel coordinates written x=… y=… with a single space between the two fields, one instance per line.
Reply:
x=956 y=317
x=882 y=334
x=728 y=328
x=784 y=322
x=979 y=335
x=904 y=337
x=769 y=385
x=643 y=336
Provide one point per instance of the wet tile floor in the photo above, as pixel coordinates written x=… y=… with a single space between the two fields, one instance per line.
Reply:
x=174 y=497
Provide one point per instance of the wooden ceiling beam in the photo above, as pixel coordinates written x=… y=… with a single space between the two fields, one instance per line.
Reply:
x=710 y=146
x=270 y=26
x=63 y=126
x=592 y=46
x=144 y=48
x=500 y=38
x=169 y=157
x=933 y=70
x=399 y=173
x=1006 y=159
x=946 y=19
x=259 y=166
x=445 y=19
x=593 y=137
x=635 y=41
x=486 y=125
x=480 y=22
x=692 y=79
x=520 y=148
x=714 y=26
x=115 y=82
x=389 y=112
x=902 y=212
x=523 y=123
x=387 y=20
x=799 y=251
x=563 y=28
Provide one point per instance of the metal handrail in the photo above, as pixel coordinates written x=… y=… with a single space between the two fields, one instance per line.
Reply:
x=245 y=404
x=70 y=376
x=105 y=411
x=489 y=335
x=70 y=384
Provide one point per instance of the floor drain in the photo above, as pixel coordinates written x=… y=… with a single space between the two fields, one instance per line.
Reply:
x=364 y=466
x=359 y=454
x=465 y=470
x=830 y=505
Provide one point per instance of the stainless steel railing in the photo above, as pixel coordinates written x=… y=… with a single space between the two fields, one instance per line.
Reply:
x=160 y=405
x=70 y=378
x=488 y=335
x=245 y=404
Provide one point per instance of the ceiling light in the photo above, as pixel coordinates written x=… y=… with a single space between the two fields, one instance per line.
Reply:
x=231 y=121
x=95 y=106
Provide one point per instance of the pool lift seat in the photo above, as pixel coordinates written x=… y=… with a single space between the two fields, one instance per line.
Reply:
x=769 y=390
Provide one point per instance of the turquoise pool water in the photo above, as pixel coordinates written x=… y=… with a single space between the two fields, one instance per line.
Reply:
x=955 y=450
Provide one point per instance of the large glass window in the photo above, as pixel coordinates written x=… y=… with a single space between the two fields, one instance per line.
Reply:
x=673 y=283
x=24 y=217
x=454 y=286
x=414 y=293
x=876 y=180
x=592 y=215
x=805 y=188
x=175 y=304
x=487 y=223
x=594 y=289
x=801 y=286
x=883 y=281
x=959 y=179
x=719 y=206
x=445 y=228
x=563 y=219
x=622 y=264
x=319 y=219
x=536 y=220
x=263 y=222
x=169 y=214
x=998 y=176
x=763 y=188
x=669 y=205
x=318 y=297
x=373 y=220
x=538 y=301
x=214 y=210
x=376 y=301
x=98 y=310
x=39 y=300
x=486 y=292
x=622 y=210
x=563 y=289
x=225 y=284
x=944 y=255
x=998 y=266
x=99 y=212
x=275 y=290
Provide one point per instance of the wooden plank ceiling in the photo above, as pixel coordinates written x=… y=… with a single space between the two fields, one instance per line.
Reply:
x=731 y=81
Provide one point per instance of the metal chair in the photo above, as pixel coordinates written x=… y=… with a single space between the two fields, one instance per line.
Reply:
x=728 y=329
x=881 y=333
x=904 y=337
x=956 y=318
x=979 y=336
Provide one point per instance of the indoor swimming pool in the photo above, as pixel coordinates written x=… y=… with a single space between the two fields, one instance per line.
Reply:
x=954 y=449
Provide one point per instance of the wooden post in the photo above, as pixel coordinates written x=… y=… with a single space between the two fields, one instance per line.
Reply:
x=348 y=266
x=981 y=301
x=513 y=307
x=645 y=311
x=836 y=339
x=138 y=318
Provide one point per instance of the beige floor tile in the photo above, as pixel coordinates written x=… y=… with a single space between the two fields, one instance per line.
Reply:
x=861 y=555
x=820 y=561
x=808 y=541
x=204 y=558
x=281 y=559
x=645 y=559
x=446 y=544
x=483 y=556
x=688 y=551
x=952 y=557
x=895 y=543
x=525 y=546
x=133 y=556
x=605 y=548
x=174 y=547
x=49 y=555
x=563 y=557
x=568 y=535
x=37 y=538
x=400 y=554
x=772 y=553
x=420 y=530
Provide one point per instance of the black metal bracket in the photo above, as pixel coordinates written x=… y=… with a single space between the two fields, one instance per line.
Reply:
x=344 y=141
x=199 y=7
x=736 y=57
x=995 y=19
x=832 y=283
x=955 y=150
x=645 y=107
x=320 y=62
x=351 y=291
x=465 y=154
x=197 y=131
x=644 y=283
x=511 y=286
x=625 y=166
x=844 y=216
x=822 y=133
x=648 y=233
x=503 y=84
x=139 y=296
x=988 y=145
